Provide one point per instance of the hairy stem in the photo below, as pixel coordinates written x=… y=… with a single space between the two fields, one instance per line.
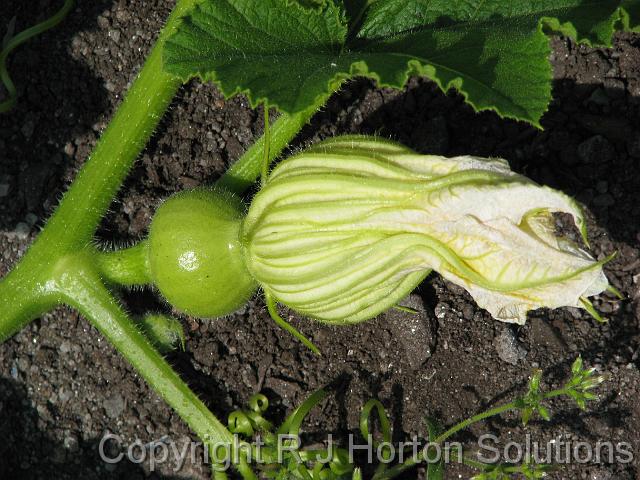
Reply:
x=84 y=291
x=72 y=227
x=73 y=224
x=127 y=267
x=22 y=298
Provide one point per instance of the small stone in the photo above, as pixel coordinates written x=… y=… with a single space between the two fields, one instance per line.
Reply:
x=599 y=97
x=4 y=189
x=605 y=200
x=596 y=149
x=22 y=231
x=602 y=186
x=468 y=311
x=31 y=219
x=114 y=35
x=65 y=346
x=103 y=22
x=64 y=395
x=508 y=348
x=27 y=129
x=413 y=331
x=69 y=149
x=71 y=443
x=114 y=406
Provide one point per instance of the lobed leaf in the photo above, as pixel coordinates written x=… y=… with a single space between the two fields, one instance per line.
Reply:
x=291 y=53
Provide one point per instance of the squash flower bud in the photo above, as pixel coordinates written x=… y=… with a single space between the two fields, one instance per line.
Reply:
x=346 y=229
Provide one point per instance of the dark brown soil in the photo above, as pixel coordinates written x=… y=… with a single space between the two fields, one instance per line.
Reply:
x=62 y=387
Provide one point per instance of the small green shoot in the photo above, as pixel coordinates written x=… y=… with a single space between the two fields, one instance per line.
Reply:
x=301 y=463
x=165 y=332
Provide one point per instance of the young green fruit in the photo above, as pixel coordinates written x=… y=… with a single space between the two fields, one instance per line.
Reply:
x=195 y=256
x=344 y=230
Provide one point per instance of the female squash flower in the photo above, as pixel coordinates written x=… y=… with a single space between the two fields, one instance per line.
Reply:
x=347 y=228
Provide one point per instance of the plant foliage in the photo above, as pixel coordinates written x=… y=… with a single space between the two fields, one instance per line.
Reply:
x=290 y=53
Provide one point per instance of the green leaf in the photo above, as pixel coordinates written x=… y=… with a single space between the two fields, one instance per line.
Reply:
x=278 y=50
x=435 y=470
x=291 y=53
x=577 y=367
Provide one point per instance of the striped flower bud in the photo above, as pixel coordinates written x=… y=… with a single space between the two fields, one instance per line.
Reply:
x=347 y=228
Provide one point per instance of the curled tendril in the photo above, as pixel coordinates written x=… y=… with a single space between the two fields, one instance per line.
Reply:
x=239 y=423
x=248 y=422
x=294 y=462
x=11 y=42
x=385 y=431
x=259 y=403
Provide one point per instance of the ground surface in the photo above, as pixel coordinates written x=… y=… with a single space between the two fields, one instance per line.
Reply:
x=62 y=387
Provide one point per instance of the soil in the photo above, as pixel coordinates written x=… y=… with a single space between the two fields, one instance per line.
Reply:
x=62 y=387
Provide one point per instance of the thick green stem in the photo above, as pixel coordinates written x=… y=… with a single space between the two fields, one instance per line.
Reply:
x=22 y=298
x=24 y=293
x=128 y=267
x=73 y=224
x=84 y=291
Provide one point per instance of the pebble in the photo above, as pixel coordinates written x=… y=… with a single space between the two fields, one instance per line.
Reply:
x=508 y=348
x=605 y=200
x=22 y=230
x=31 y=219
x=4 y=189
x=114 y=35
x=599 y=97
x=413 y=331
x=65 y=346
x=114 y=406
x=71 y=443
x=103 y=22
x=596 y=149
x=27 y=129
x=64 y=395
